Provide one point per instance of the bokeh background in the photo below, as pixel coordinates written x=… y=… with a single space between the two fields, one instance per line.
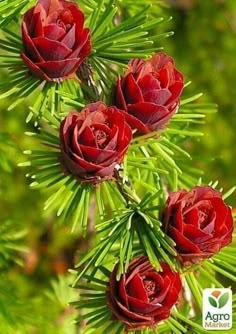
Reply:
x=204 y=49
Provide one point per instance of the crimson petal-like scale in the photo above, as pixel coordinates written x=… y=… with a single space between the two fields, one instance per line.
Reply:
x=83 y=49
x=53 y=32
x=165 y=77
x=69 y=38
x=148 y=82
x=52 y=5
x=78 y=16
x=229 y=220
x=58 y=69
x=70 y=165
x=130 y=316
x=87 y=138
x=183 y=244
x=112 y=144
x=73 y=140
x=175 y=91
x=67 y=124
x=34 y=69
x=96 y=155
x=30 y=48
x=119 y=97
x=195 y=234
x=131 y=90
x=136 y=289
x=139 y=306
x=210 y=227
x=157 y=96
x=171 y=297
x=191 y=216
x=86 y=165
x=122 y=288
x=135 y=65
x=28 y=17
x=160 y=124
x=34 y=24
x=51 y=50
x=178 y=219
x=221 y=211
x=135 y=123
x=147 y=112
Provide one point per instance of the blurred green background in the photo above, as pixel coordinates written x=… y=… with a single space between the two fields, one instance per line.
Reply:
x=204 y=48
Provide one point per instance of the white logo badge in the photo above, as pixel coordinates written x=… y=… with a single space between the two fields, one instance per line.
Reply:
x=217 y=309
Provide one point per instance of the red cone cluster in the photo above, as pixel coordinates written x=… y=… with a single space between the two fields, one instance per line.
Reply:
x=149 y=92
x=199 y=222
x=94 y=141
x=54 y=40
x=143 y=297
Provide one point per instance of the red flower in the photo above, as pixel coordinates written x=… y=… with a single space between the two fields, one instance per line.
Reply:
x=54 y=40
x=143 y=297
x=149 y=92
x=199 y=222
x=94 y=141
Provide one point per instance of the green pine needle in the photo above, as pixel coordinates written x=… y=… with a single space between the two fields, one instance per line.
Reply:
x=48 y=174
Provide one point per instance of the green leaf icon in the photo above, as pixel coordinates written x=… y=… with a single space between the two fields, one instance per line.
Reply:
x=212 y=301
x=223 y=299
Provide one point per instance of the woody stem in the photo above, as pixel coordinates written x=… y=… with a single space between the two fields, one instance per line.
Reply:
x=89 y=88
